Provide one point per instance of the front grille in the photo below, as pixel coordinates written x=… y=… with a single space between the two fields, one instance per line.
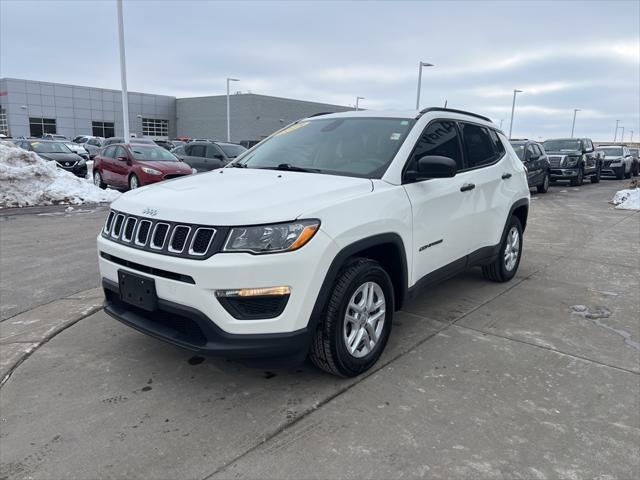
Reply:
x=164 y=237
x=179 y=238
x=554 y=161
x=159 y=235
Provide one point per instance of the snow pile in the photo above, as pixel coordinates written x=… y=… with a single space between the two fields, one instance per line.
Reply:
x=26 y=179
x=627 y=199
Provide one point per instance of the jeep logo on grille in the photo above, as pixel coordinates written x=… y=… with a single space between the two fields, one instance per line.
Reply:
x=150 y=211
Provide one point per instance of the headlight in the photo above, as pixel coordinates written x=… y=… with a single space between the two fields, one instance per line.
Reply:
x=151 y=171
x=571 y=161
x=280 y=237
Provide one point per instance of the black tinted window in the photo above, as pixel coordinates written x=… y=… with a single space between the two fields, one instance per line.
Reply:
x=212 y=151
x=479 y=146
x=197 y=150
x=498 y=147
x=108 y=152
x=439 y=138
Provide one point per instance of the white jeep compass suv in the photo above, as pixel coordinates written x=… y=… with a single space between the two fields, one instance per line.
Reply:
x=308 y=242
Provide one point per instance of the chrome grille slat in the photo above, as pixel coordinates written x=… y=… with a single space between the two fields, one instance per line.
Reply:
x=198 y=235
x=144 y=227
x=173 y=240
x=107 y=224
x=117 y=225
x=158 y=232
x=129 y=229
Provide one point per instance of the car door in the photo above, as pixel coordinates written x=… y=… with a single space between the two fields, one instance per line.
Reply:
x=437 y=205
x=489 y=178
x=195 y=156
x=215 y=157
x=531 y=164
x=105 y=164
x=589 y=155
x=120 y=168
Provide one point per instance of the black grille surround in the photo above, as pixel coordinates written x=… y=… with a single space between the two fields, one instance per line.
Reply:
x=176 y=239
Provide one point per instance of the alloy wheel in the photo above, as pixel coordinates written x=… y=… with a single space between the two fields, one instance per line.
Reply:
x=364 y=319
x=512 y=249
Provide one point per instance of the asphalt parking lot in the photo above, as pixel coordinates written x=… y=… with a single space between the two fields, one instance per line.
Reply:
x=537 y=378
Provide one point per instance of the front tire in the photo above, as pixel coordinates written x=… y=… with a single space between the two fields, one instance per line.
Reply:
x=134 y=182
x=635 y=167
x=504 y=268
x=579 y=180
x=596 y=177
x=628 y=174
x=356 y=321
x=544 y=186
x=620 y=173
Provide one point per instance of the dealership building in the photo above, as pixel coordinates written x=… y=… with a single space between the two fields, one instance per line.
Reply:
x=33 y=108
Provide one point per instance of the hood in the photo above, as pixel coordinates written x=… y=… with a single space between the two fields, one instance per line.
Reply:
x=572 y=153
x=166 y=167
x=60 y=157
x=613 y=157
x=239 y=196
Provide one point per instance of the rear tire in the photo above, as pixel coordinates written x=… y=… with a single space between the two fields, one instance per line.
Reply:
x=579 y=180
x=97 y=180
x=504 y=268
x=544 y=186
x=336 y=347
x=635 y=167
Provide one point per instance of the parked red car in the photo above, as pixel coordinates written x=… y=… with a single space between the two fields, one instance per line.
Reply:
x=134 y=165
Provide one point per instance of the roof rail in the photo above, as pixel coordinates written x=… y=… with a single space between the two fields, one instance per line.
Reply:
x=452 y=110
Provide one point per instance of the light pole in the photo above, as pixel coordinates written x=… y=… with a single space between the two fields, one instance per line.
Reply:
x=123 y=74
x=573 y=125
x=513 y=107
x=420 y=65
x=631 y=139
x=501 y=120
x=615 y=135
x=622 y=137
x=228 y=111
x=358 y=101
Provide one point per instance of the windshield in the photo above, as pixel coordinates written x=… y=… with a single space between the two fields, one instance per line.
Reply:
x=152 y=154
x=560 y=145
x=611 y=151
x=634 y=151
x=359 y=147
x=231 y=150
x=49 y=147
x=519 y=149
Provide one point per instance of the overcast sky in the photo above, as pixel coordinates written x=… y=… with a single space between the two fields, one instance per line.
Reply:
x=564 y=55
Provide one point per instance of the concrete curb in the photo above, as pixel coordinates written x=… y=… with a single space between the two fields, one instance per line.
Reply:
x=24 y=333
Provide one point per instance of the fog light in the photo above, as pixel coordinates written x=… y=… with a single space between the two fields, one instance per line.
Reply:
x=254 y=292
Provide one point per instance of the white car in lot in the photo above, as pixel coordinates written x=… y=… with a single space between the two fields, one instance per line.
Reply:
x=309 y=242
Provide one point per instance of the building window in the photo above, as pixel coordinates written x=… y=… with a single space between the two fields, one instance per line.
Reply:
x=4 y=126
x=153 y=127
x=103 y=129
x=39 y=126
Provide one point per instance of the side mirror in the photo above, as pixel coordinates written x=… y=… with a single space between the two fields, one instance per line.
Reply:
x=534 y=157
x=434 y=166
x=122 y=159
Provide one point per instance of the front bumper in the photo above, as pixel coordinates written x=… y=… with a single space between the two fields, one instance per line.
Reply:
x=192 y=283
x=191 y=329
x=77 y=170
x=560 y=173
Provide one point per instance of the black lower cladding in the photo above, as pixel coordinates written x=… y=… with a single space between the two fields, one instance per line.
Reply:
x=191 y=329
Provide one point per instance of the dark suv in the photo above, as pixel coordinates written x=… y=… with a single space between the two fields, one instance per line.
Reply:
x=573 y=159
x=56 y=152
x=534 y=157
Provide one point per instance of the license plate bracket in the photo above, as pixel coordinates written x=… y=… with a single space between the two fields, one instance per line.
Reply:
x=138 y=290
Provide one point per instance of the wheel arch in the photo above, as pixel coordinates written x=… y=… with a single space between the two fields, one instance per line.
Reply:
x=385 y=248
x=520 y=209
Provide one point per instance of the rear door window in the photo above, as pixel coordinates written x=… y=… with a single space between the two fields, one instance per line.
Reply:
x=479 y=147
x=108 y=152
x=197 y=151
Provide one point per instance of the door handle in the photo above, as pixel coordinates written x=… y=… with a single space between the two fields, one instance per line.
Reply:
x=467 y=187
x=506 y=175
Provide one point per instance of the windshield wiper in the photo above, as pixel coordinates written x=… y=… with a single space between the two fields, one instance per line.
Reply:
x=293 y=168
x=237 y=165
